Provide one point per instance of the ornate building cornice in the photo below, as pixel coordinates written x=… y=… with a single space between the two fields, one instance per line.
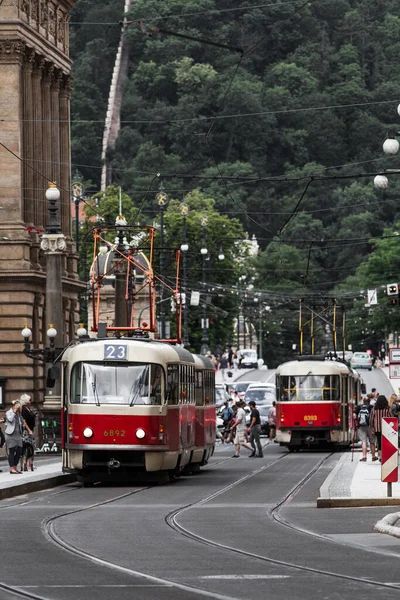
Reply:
x=12 y=51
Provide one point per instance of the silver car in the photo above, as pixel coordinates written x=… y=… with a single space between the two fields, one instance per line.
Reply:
x=361 y=360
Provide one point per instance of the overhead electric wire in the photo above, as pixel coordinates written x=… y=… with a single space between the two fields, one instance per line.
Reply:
x=46 y=178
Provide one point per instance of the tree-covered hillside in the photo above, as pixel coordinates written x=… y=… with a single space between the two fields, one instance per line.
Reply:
x=312 y=96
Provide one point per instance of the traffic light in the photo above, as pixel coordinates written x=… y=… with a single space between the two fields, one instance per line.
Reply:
x=392 y=291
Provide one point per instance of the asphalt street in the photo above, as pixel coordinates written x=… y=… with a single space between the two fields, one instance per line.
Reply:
x=219 y=534
x=242 y=528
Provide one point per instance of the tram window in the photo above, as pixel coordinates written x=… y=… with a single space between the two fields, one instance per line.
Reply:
x=173 y=384
x=198 y=388
x=107 y=383
x=309 y=388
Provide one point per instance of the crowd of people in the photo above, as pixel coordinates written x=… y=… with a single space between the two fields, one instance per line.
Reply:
x=236 y=430
x=19 y=436
x=368 y=421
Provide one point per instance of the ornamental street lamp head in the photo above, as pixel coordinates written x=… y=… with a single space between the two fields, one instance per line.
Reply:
x=53 y=196
x=184 y=247
x=391 y=146
x=184 y=209
x=381 y=182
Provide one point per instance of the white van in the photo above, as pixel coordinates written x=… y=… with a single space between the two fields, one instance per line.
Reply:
x=248 y=359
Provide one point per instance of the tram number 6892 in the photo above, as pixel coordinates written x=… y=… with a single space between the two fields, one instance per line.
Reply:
x=310 y=417
x=114 y=433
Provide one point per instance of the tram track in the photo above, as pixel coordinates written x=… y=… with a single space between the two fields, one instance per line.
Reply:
x=50 y=533
x=172 y=521
x=48 y=529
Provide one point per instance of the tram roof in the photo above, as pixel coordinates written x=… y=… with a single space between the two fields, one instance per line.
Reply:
x=313 y=367
x=203 y=362
x=138 y=350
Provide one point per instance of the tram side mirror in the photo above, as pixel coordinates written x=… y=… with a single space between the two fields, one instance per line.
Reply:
x=52 y=375
x=363 y=388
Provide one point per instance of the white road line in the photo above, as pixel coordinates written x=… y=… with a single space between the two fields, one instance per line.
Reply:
x=245 y=577
x=144 y=585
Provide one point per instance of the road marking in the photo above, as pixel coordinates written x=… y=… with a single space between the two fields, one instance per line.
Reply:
x=143 y=585
x=245 y=577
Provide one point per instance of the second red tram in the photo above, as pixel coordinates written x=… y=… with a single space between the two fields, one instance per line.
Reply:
x=135 y=405
x=315 y=403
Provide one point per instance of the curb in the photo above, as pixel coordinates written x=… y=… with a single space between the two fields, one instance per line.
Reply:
x=387 y=525
x=357 y=502
x=324 y=489
x=36 y=486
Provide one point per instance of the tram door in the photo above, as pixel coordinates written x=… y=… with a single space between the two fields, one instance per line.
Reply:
x=64 y=416
x=346 y=390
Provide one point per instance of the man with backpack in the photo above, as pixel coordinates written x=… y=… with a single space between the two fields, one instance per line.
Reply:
x=363 y=412
x=227 y=416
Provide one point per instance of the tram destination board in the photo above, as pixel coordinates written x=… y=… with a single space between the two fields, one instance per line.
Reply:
x=115 y=352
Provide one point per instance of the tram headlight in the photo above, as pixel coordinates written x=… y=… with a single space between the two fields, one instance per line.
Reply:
x=88 y=432
x=140 y=434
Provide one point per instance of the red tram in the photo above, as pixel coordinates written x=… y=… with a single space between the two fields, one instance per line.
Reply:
x=315 y=403
x=135 y=405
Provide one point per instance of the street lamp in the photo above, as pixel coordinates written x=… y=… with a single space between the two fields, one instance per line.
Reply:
x=46 y=355
x=204 y=321
x=162 y=200
x=184 y=209
x=221 y=255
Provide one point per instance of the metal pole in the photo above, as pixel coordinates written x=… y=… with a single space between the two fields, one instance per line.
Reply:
x=185 y=306
x=162 y=312
x=344 y=332
x=204 y=339
x=300 y=329
x=389 y=490
x=260 y=350
x=312 y=333
x=334 y=327
x=77 y=202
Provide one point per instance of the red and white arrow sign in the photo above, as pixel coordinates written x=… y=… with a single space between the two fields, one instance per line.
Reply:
x=390 y=450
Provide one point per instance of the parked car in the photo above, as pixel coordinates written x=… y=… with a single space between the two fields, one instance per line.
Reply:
x=240 y=387
x=261 y=394
x=248 y=359
x=263 y=410
x=361 y=360
x=221 y=395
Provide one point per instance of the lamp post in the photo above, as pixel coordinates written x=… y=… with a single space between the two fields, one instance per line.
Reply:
x=184 y=209
x=120 y=308
x=204 y=321
x=53 y=243
x=77 y=193
x=162 y=200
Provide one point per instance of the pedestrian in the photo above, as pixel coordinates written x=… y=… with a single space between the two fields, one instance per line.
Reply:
x=230 y=358
x=379 y=410
x=14 y=430
x=363 y=414
x=374 y=396
x=272 y=421
x=28 y=448
x=232 y=431
x=392 y=401
x=227 y=416
x=235 y=362
x=240 y=424
x=223 y=365
x=254 y=430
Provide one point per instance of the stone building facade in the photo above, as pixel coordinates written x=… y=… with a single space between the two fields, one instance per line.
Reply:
x=35 y=88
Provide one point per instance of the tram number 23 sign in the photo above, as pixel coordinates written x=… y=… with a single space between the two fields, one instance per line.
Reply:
x=115 y=352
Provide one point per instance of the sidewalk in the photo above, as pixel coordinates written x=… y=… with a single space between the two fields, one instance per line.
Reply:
x=48 y=474
x=355 y=483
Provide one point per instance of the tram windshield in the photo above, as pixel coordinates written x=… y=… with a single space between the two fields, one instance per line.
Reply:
x=110 y=383
x=309 y=388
